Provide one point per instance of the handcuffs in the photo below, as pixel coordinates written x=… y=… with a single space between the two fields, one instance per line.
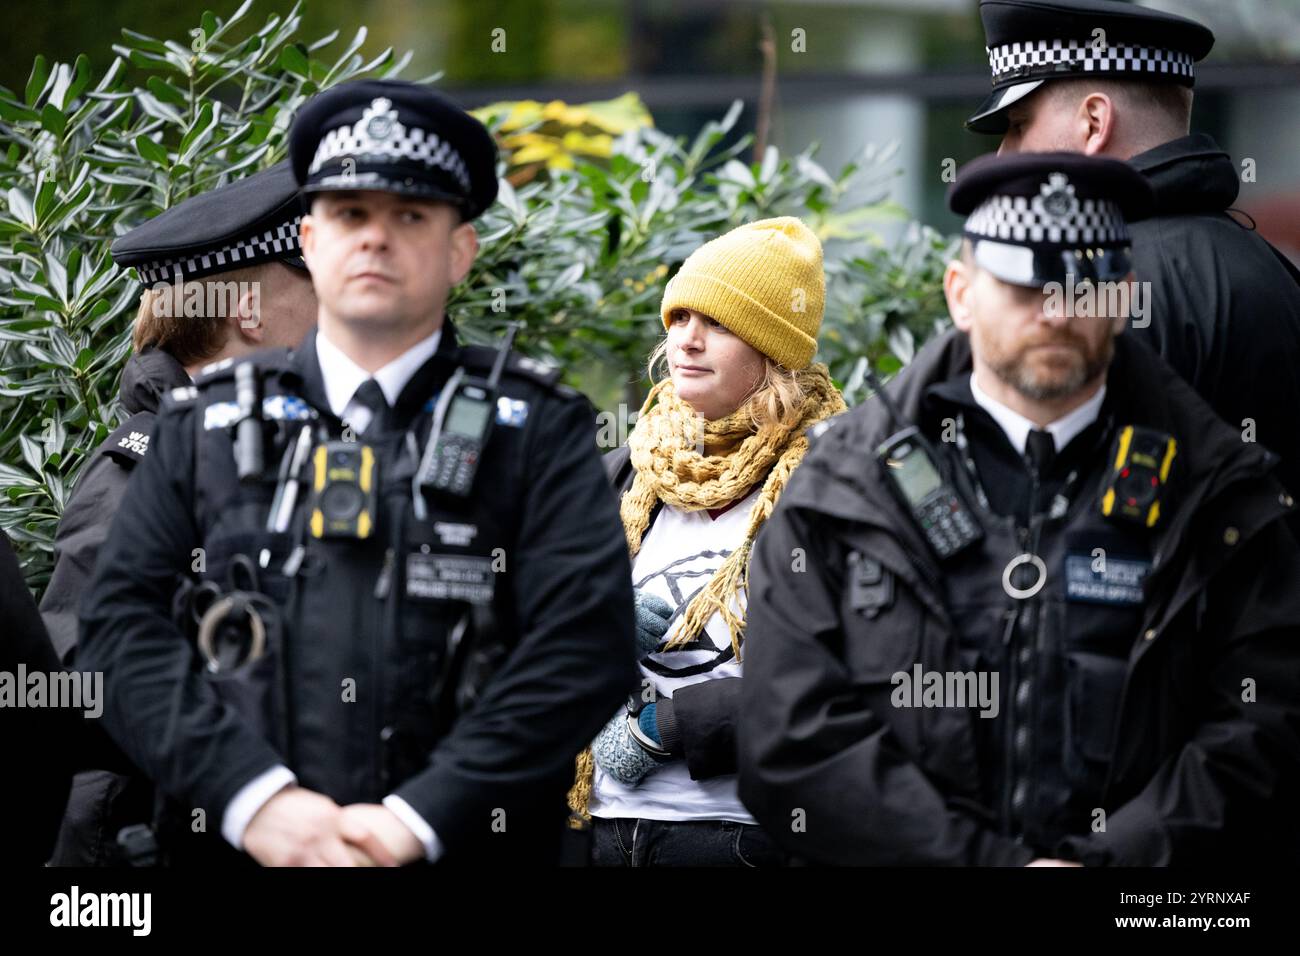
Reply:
x=634 y=707
x=211 y=607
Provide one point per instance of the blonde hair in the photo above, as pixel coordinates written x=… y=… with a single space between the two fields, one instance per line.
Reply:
x=776 y=402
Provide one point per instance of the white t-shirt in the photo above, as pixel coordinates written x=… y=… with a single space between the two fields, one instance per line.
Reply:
x=679 y=555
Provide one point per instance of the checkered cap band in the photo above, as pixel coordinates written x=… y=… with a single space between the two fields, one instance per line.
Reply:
x=399 y=142
x=279 y=242
x=1047 y=57
x=1023 y=220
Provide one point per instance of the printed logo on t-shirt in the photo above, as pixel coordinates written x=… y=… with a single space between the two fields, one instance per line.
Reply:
x=678 y=583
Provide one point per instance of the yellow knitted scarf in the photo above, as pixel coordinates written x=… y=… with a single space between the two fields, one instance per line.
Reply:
x=692 y=464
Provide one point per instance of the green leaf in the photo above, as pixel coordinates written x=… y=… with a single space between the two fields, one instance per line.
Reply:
x=158 y=109
x=355 y=45
x=52 y=119
x=57 y=276
x=61 y=80
x=45 y=196
x=80 y=80
x=142 y=42
x=32 y=452
x=199 y=133
x=236 y=16
x=16 y=113
x=36 y=82
x=21 y=206
x=167 y=92
x=151 y=151
x=293 y=59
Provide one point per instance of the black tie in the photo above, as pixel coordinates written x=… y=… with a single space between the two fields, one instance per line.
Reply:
x=1040 y=449
x=370 y=395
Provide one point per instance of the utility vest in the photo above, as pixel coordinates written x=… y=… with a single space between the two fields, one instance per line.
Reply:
x=1053 y=609
x=370 y=646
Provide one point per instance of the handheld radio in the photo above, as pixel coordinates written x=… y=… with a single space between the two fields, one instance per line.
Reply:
x=912 y=471
x=462 y=424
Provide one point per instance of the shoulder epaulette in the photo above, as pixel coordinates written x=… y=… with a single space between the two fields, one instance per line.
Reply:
x=129 y=442
x=483 y=357
x=268 y=360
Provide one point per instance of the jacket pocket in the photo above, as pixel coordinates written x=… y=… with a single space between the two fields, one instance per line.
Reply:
x=884 y=635
x=1095 y=683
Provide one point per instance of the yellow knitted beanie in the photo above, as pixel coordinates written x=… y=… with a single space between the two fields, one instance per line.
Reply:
x=764 y=282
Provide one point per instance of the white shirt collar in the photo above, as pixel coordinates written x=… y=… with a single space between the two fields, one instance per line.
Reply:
x=342 y=376
x=1018 y=427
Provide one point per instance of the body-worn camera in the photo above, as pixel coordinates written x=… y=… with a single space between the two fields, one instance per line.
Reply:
x=1136 y=487
x=344 y=490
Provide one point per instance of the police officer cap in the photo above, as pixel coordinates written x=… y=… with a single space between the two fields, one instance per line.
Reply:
x=394 y=137
x=1034 y=218
x=1032 y=41
x=244 y=223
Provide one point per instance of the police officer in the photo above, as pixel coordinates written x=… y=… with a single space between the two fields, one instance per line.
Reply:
x=222 y=276
x=1115 y=79
x=187 y=258
x=410 y=603
x=1049 y=610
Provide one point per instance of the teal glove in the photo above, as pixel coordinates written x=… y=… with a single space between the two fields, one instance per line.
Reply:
x=617 y=753
x=652 y=617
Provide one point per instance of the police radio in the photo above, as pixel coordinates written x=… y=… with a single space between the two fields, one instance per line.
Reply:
x=911 y=467
x=1139 y=474
x=462 y=424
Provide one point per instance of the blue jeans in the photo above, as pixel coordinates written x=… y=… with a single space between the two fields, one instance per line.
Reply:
x=625 y=841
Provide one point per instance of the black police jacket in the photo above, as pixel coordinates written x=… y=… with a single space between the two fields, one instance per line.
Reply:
x=35 y=755
x=146 y=377
x=345 y=699
x=1225 y=309
x=102 y=802
x=839 y=775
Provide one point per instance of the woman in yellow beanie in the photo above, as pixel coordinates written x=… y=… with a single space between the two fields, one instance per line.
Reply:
x=713 y=447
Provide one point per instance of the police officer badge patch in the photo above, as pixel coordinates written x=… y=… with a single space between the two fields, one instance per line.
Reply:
x=1056 y=200
x=1098 y=577
x=381 y=118
x=449 y=577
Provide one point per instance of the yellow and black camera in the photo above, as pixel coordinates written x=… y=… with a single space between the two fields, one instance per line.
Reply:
x=343 y=490
x=1136 y=487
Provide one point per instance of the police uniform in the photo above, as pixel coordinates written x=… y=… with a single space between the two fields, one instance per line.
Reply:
x=245 y=223
x=1120 y=622
x=446 y=655
x=1224 y=304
